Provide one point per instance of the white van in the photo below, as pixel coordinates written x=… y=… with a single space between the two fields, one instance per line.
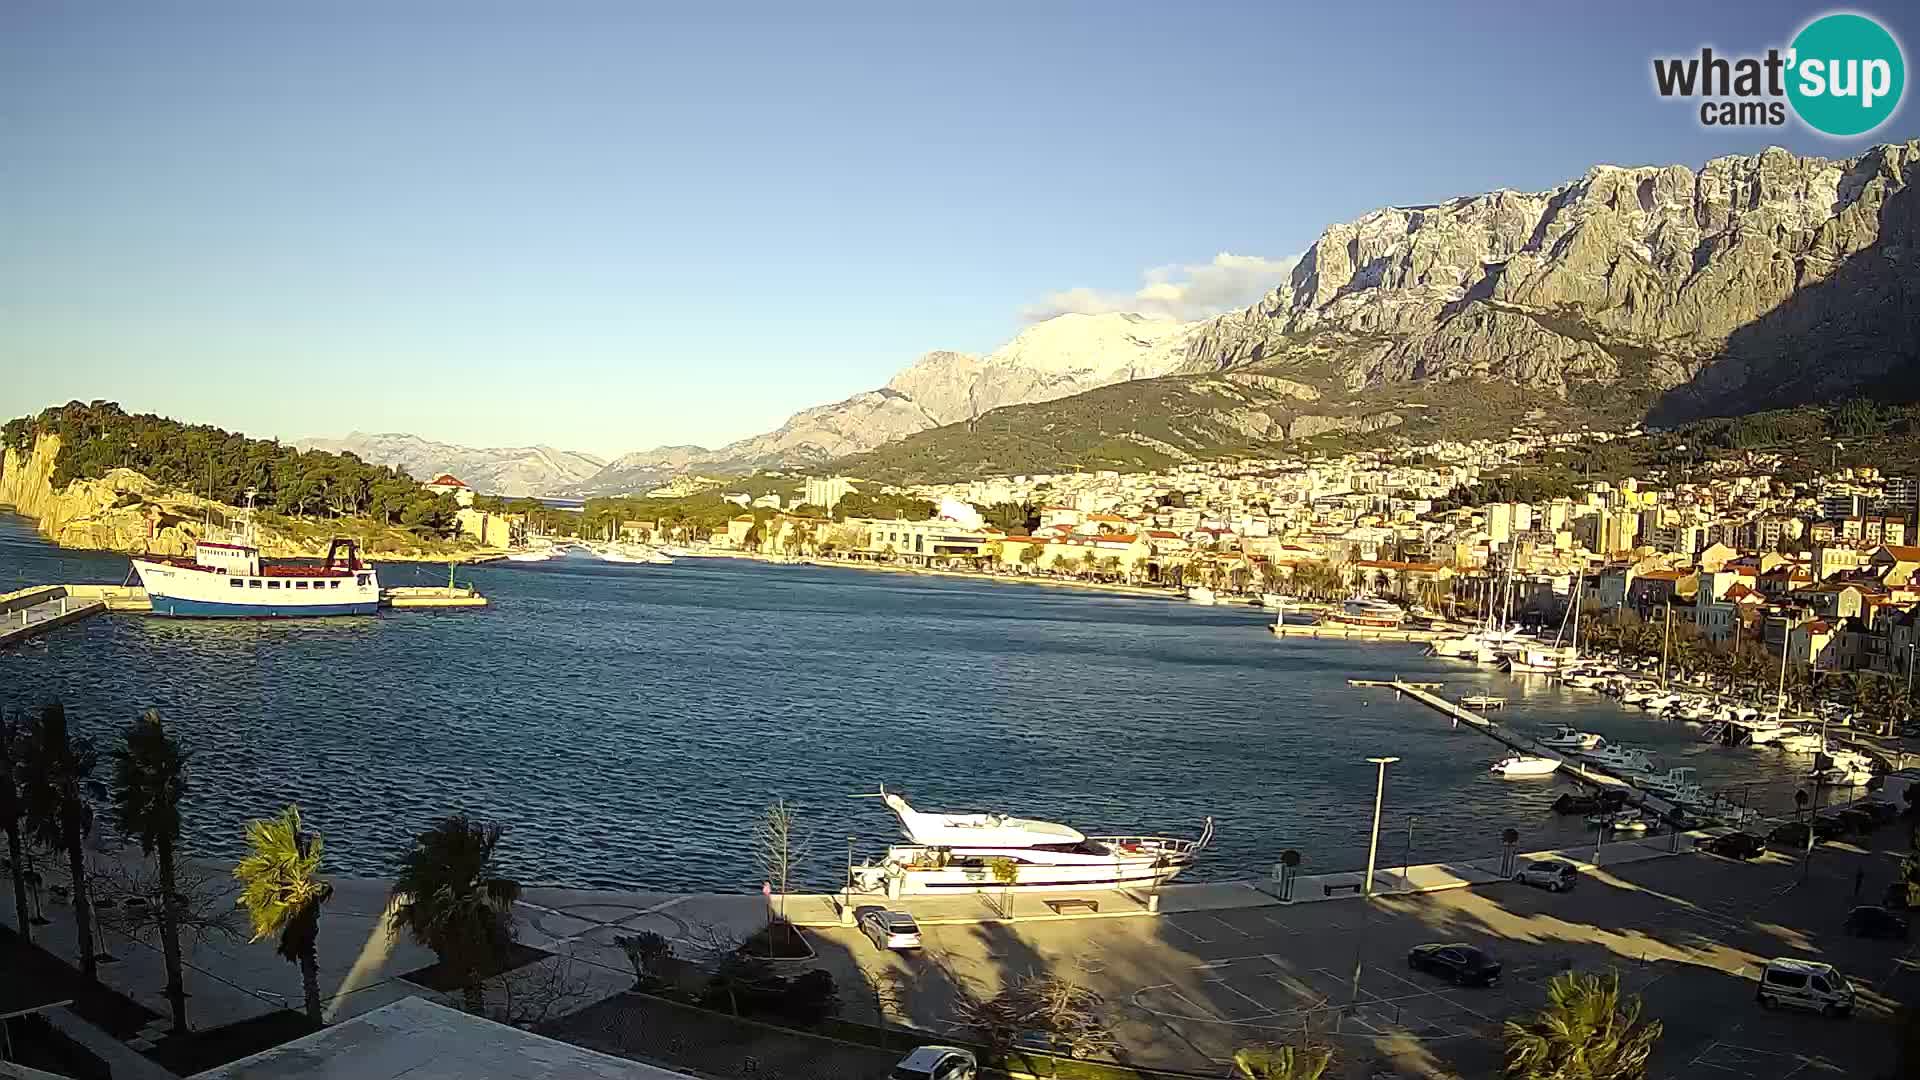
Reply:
x=1805 y=984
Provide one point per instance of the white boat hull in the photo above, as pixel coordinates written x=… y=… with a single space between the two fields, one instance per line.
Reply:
x=185 y=592
x=1526 y=766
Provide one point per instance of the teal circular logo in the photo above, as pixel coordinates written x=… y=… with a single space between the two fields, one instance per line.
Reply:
x=1847 y=75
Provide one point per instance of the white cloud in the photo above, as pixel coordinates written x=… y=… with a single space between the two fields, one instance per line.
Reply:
x=1182 y=292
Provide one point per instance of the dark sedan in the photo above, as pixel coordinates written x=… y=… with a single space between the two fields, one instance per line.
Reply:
x=1735 y=845
x=1463 y=964
x=1876 y=922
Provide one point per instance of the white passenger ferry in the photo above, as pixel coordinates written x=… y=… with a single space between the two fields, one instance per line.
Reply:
x=231 y=580
x=957 y=853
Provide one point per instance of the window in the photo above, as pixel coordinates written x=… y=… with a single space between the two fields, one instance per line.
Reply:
x=1820 y=984
x=299 y=584
x=273 y=584
x=253 y=583
x=363 y=578
x=1793 y=979
x=333 y=584
x=237 y=583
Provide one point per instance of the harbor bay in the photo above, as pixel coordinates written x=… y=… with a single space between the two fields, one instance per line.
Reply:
x=629 y=723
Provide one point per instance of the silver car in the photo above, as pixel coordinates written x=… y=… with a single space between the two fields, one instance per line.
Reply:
x=1552 y=875
x=889 y=929
x=937 y=1063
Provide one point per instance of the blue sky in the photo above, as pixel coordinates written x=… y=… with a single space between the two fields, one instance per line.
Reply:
x=611 y=226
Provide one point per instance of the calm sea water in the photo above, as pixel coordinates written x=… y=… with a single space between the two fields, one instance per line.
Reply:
x=628 y=723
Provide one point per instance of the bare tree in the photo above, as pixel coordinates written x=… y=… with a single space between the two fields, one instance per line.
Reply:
x=532 y=995
x=777 y=845
x=203 y=898
x=1069 y=1015
x=647 y=952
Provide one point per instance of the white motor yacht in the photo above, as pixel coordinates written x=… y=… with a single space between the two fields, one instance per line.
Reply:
x=1621 y=759
x=951 y=853
x=1521 y=765
x=1200 y=594
x=1680 y=785
x=1566 y=738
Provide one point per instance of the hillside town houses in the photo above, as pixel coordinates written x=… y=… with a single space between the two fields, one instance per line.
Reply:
x=1824 y=568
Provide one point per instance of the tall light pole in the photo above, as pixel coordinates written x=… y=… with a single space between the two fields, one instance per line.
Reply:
x=1379 y=797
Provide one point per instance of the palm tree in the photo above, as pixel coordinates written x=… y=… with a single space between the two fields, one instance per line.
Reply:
x=281 y=888
x=1281 y=1062
x=12 y=745
x=451 y=898
x=1587 y=1030
x=149 y=782
x=57 y=774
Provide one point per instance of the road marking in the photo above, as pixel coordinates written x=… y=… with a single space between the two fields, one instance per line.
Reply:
x=1265 y=1009
x=1176 y=926
x=1230 y=926
x=1204 y=1014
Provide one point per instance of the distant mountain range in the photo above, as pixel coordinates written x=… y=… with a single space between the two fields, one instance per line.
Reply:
x=514 y=470
x=1652 y=293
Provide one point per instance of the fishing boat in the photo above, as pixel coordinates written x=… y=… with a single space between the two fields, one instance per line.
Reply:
x=1521 y=765
x=950 y=853
x=1566 y=738
x=231 y=581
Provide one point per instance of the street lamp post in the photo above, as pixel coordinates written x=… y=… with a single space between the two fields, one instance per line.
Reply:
x=1379 y=797
x=1406 y=860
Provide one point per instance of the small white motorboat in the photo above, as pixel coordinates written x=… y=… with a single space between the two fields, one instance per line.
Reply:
x=1520 y=765
x=1200 y=594
x=1566 y=738
x=1483 y=701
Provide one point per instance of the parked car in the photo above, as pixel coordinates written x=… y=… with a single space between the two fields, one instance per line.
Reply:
x=1793 y=834
x=1458 y=961
x=1734 y=845
x=1804 y=984
x=889 y=929
x=1868 y=921
x=1553 y=875
x=1882 y=810
x=1857 y=820
x=937 y=1063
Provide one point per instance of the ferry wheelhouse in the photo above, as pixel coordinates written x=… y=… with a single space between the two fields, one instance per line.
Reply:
x=231 y=580
x=957 y=853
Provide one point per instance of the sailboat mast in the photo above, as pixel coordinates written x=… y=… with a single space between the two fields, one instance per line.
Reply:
x=1665 y=636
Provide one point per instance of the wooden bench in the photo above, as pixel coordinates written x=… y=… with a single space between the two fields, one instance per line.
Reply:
x=1060 y=906
x=1331 y=889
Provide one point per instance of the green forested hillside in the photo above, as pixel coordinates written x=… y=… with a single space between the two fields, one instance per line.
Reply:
x=99 y=436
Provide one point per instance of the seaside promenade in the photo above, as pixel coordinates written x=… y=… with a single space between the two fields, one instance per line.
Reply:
x=1217 y=965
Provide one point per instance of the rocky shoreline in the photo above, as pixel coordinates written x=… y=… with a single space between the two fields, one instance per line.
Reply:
x=128 y=513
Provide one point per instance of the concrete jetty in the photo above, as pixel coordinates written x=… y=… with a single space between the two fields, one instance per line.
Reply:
x=1527 y=744
x=1360 y=633
x=431 y=596
x=28 y=613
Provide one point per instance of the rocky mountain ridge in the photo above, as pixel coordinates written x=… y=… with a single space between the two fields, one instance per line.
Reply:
x=1058 y=357
x=1695 y=289
x=513 y=470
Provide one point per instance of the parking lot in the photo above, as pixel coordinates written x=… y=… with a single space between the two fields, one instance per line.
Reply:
x=1687 y=932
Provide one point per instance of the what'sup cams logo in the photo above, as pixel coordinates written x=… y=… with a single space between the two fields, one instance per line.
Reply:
x=1842 y=76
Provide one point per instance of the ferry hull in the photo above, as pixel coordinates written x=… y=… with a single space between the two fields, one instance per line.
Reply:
x=207 y=609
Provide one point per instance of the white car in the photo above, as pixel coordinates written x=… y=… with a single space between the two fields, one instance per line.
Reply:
x=937 y=1063
x=1552 y=875
x=889 y=929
